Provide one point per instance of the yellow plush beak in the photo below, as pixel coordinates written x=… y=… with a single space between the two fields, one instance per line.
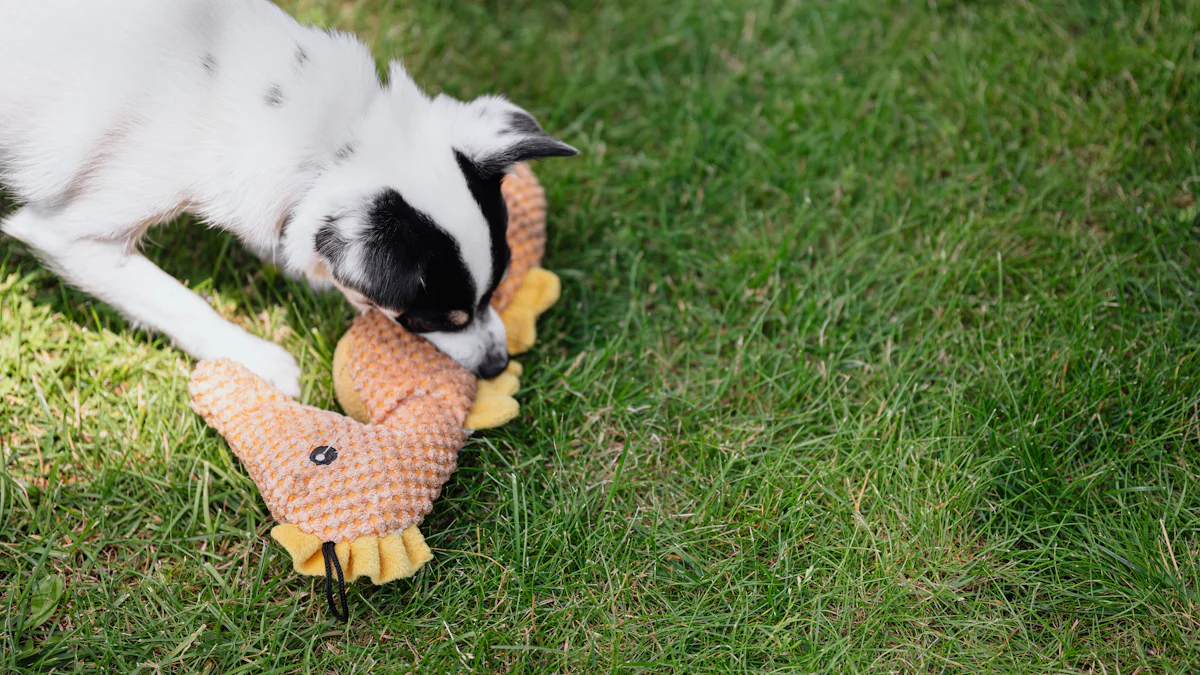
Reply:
x=537 y=294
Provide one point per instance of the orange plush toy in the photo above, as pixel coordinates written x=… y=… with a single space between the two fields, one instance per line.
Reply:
x=349 y=490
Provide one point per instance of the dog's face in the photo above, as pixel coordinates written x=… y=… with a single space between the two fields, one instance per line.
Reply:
x=409 y=218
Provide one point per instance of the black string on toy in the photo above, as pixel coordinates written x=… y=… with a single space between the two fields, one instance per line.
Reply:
x=331 y=558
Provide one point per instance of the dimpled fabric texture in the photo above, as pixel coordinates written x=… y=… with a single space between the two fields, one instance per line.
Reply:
x=526 y=201
x=403 y=379
x=382 y=480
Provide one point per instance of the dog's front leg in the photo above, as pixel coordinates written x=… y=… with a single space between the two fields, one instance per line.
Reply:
x=136 y=287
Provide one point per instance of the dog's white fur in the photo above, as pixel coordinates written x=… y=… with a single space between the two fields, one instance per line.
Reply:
x=117 y=115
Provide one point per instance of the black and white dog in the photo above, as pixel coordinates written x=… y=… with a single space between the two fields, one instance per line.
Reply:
x=118 y=115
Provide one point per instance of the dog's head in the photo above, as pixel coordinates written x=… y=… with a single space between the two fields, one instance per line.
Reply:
x=408 y=217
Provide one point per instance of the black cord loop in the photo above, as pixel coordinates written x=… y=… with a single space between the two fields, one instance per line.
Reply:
x=331 y=557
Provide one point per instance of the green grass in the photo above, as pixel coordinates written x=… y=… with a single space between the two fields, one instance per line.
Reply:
x=879 y=351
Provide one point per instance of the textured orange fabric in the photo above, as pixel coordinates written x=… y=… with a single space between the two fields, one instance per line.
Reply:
x=526 y=201
x=383 y=478
x=398 y=374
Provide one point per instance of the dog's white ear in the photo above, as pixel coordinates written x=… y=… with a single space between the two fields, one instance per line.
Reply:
x=495 y=134
x=402 y=87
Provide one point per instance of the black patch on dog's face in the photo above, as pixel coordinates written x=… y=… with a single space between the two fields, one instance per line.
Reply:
x=485 y=188
x=409 y=265
x=274 y=96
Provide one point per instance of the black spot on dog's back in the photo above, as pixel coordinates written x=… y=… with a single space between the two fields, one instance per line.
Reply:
x=344 y=153
x=301 y=57
x=209 y=63
x=274 y=96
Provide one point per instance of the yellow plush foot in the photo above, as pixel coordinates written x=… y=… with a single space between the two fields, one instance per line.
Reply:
x=494 y=402
x=537 y=294
x=397 y=556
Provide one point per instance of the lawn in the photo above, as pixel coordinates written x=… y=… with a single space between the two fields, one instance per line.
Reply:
x=879 y=350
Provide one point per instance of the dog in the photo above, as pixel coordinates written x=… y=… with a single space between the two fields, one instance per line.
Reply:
x=119 y=115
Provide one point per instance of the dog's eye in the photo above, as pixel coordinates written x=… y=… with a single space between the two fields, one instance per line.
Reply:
x=435 y=322
x=417 y=324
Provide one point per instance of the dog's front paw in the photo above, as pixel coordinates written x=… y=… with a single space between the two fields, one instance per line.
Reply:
x=275 y=365
x=265 y=359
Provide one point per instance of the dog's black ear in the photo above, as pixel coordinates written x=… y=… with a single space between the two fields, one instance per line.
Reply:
x=495 y=134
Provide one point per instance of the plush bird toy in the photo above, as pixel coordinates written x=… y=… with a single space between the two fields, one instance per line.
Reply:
x=350 y=490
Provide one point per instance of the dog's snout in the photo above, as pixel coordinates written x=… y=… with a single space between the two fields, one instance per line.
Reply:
x=492 y=366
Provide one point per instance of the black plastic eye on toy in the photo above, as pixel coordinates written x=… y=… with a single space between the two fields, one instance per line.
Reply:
x=323 y=455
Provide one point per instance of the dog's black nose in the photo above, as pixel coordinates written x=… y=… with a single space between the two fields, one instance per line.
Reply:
x=492 y=366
